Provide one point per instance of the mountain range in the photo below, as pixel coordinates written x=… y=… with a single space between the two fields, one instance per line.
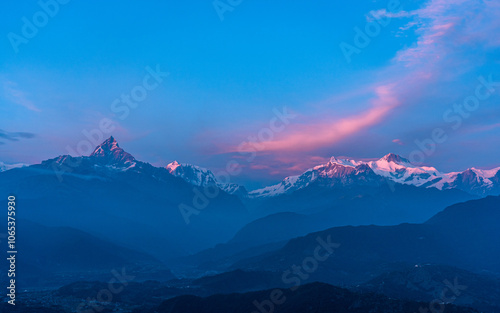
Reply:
x=344 y=171
x=391 y=167
x=113 y=195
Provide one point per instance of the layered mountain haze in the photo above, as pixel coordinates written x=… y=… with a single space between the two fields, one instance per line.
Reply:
x=342 y=192
x=455 y=237
x=43 y=264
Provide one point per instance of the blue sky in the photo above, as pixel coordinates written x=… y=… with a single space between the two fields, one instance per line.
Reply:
x=226 y=79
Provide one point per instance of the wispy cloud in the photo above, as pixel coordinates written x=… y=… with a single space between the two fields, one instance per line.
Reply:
x=15 y=95
x=398 y=141
x=14 y=136
x=382 y=13
x=483 y=128
x=448 y=28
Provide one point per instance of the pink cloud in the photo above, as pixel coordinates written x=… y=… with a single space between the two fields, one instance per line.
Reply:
x=398 y=141
x=439 y=25
x=306 y=137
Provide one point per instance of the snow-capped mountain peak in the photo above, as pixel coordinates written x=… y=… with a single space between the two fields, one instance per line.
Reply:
x=110 y=152
x=337 y=171
x=171 y=167
x=344 y=162
x=486 y=173
x=391 y=157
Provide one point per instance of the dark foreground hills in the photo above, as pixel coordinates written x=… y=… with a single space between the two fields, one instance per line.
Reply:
x=146 y=298
x=431 y=282
x=310 y=298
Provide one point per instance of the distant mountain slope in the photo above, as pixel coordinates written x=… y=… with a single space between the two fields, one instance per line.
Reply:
x=311 y=298
x=346 y=172
x=322 y=208
x=56 y=255
x=318 y=207
x=274 y=228
x=220 y=258
x=376 y=203
x=240 y=281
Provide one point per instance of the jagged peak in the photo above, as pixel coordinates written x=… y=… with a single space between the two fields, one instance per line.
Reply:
x=343 y=161
x=363 y=167
x=391 y=157
x=173 y=166
x=109 y=144
x=110 y=151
